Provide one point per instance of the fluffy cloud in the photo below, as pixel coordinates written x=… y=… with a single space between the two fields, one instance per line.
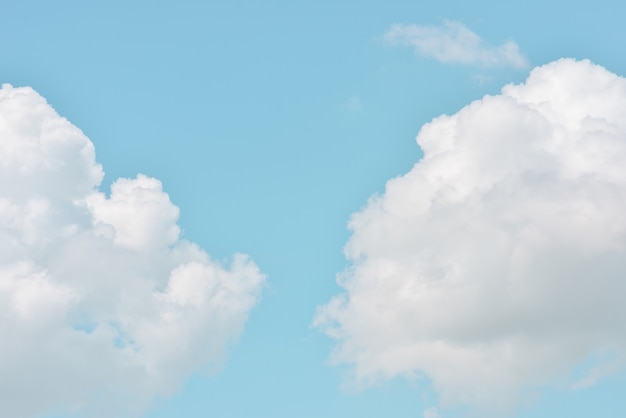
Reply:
x=497 y=264
x=104 y=307
x=454 y=42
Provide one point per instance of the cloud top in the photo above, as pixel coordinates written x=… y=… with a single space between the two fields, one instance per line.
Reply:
x=104 y=306
x=455 y=43
x=498 y=263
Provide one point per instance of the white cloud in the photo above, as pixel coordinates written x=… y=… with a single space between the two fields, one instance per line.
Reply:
x=498 y=263
x=454 y=42
x=431 y=412
x=104 y=307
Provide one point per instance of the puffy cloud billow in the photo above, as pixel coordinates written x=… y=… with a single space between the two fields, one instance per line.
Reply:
x=103 y=306
x=497 y=264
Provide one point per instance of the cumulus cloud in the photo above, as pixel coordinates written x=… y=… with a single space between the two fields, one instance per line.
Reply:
x=455 y=42
x=497 y=264
x=104 y=306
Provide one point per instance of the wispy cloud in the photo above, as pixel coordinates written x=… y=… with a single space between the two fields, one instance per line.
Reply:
x=353 y=104
x=431 y=412
x=455 y=42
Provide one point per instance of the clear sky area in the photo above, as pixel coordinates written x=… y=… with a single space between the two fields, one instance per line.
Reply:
x=290 y=209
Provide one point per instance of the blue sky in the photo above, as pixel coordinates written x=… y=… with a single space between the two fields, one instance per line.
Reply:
x=268 y=125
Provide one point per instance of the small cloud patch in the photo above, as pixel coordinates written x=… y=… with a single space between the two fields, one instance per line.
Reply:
x=453 y=42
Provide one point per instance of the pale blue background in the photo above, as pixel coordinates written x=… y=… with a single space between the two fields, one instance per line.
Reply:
x=241 y=109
